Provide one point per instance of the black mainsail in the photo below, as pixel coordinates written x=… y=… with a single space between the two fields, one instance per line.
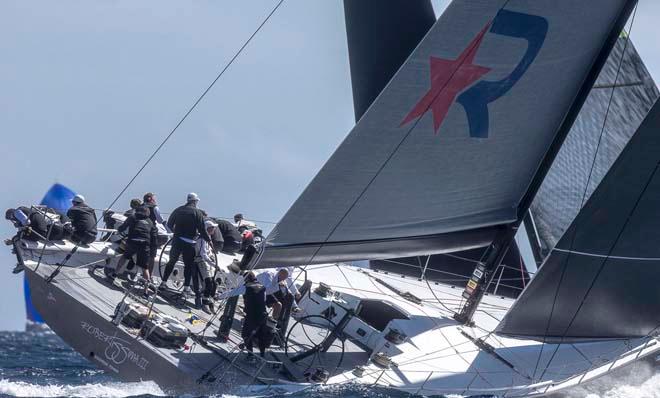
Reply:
x=444 y=157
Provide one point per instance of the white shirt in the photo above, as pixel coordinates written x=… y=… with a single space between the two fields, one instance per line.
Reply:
x=204 y=250
x=246 y=224
x=269 y=280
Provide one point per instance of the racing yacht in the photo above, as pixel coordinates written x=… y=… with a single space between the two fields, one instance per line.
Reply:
x=448 y=157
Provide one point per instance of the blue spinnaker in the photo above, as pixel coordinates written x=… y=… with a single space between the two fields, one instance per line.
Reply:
x=58 y=198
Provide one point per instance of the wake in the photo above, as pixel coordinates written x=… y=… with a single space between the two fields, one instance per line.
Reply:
x=106 y=390
x=641 y=380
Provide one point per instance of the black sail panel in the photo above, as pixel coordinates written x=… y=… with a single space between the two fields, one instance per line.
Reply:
x=447 y=152
x=599 y=281
x=561 y=195
x=381 y=34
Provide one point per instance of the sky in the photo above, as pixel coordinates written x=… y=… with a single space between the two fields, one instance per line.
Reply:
x=88 y=89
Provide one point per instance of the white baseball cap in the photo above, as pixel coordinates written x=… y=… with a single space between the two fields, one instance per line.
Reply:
x=78 y=199
x=192 y=197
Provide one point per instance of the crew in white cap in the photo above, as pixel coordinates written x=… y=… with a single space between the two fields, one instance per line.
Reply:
x=187 y=223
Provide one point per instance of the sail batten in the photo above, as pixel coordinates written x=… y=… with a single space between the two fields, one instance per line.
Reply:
x=456 y=137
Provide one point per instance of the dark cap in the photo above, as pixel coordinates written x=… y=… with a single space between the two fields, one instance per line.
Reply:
x=135 y=203
x=9 y=214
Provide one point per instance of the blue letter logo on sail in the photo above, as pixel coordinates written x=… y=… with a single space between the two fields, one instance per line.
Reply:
x=475 y=100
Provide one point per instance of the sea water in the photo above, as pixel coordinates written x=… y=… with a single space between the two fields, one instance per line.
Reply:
x=41 y=365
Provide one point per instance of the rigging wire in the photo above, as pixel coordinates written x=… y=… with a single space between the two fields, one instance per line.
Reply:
x=220 y=217
x=199 y=99
x=584 y=195
x=471 y=47
x=176 y=127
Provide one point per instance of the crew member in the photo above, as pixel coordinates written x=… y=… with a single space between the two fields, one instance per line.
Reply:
x=141 y=242
x=83 y=220
x=242 y=224
x=281 y=295
x=187 y=223
x=231 y=238
x=41 y=226
x=150 y=202
x=281 y=292
x=135 y=203
x=232 y=280
x=256 y=327
x=24 y=217
x=207 y=268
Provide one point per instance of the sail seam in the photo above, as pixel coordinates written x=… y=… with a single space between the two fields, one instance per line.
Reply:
x=580 y=253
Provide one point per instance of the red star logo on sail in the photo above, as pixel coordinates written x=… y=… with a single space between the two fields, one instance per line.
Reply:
x=448 y=79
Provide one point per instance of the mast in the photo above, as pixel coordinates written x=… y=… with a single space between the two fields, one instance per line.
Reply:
x=484 y=272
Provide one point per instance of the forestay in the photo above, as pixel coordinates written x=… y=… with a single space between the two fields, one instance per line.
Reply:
x=442 y=158
x=600 y=279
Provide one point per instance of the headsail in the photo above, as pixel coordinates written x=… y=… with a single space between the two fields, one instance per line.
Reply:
x=445 y=154
x=561 y=195
x=598 y=282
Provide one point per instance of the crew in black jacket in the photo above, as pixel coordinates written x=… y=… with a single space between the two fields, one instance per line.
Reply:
x=230 y=237
x=141 y=241
x=255 y=324
x=83 y=221
x=40 y=226
x=187 y=224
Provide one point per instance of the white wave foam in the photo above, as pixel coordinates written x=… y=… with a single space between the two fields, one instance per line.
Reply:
x=638 y=381
x=106 y=390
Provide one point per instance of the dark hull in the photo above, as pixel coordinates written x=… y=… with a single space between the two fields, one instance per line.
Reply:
x=84 y=323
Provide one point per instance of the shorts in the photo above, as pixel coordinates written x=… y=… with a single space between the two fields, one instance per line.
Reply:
x=141 y=250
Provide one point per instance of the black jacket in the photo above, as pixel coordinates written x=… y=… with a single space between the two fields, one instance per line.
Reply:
x=83 y=218
x=254 y=301
x=140 y=228
x=152 y=213
x=187 y=221
x=38 y=221
x=228 y=230
x=218 y=240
